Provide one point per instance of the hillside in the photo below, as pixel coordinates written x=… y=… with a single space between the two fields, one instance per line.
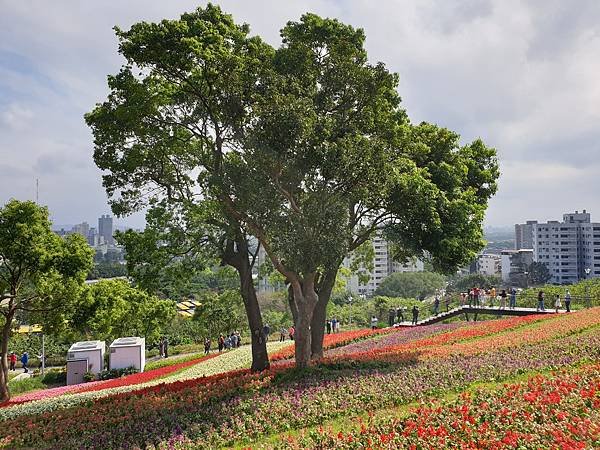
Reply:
x=527 y=382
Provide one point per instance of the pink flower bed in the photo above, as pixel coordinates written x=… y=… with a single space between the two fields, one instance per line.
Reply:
x=136 y=378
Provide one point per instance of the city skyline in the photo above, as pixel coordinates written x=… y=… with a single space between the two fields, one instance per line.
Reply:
x=522 y=76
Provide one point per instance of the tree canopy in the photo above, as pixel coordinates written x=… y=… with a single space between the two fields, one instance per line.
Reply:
x=41 y=274
x=411 y=284
x=112 y=308
x=305 y=147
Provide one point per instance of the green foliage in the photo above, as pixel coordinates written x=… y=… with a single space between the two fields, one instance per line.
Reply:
x=538 y=273
x=89 y=376
x=107 y=270
x=112 y=308
x=117 y=373
x=220 y=313
x=41 y=274
x=463 y=284
x=411 y=284
x=25 y=385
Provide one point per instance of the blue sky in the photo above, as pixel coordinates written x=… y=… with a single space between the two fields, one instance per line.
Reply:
x=523 y=76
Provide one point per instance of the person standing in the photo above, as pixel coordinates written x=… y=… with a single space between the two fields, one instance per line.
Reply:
x=391 y=317
x=13 y=361
x=24 y=361
x=475 y=296
x=415 y=314
x=166 y=347
x=493 y=295
x=266 y=331
x=161 y=347
x=557 y=303
x=238 y=338
x=503 y=296
x=447 y=301
x=436 y=305
x=282 y=333
x=206 y=346
x=568 y=301
x=540 y=306
x=400 y=314
x=373 y=322
x=328 y=326
x=513 y=298
x=333 y=324
x=221 y=343
x=291 y=332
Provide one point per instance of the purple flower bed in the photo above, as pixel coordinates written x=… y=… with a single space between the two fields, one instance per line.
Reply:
x=401 y=336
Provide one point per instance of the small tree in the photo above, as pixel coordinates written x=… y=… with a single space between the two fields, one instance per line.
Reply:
x=112 y=308
x=538 y=273
x=411 y=284
x=40 y=273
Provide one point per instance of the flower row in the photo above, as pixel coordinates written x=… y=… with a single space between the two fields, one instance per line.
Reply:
x=560 y=411
x=223 y=409
x=215 y=364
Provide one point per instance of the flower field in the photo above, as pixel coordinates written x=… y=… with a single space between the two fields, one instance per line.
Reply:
x=219 y=403
x=559 y=411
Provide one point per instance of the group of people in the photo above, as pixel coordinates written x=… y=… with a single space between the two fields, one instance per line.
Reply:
x=557 y=301
x=12 y=361
x=233 y=340
x=481 y=297
x=332 y=325
x=285 y=333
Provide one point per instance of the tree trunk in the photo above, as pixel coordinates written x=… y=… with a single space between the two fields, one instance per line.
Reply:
x=4 y=393
x=317 y=326
x=305 y=298
x=238 y=256
x=260 y=358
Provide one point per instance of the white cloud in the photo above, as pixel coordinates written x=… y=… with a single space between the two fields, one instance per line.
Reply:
x=521 y=75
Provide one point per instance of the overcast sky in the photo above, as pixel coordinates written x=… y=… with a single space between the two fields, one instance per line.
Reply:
x=523 y=76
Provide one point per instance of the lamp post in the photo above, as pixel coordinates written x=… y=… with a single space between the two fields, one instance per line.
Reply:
x=350 y=303
x=587 y=271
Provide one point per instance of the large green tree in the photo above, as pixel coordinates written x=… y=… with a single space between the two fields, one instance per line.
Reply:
x=177 y=106
x=304 y=147
x=41 y=274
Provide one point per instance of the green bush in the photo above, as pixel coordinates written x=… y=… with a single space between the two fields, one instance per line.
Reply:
x=55 y=377
x=89 y=376
x=117 y=373
x=25 y=385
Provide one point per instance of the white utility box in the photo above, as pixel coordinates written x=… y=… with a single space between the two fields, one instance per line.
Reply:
x=82 y=357
x=128 y=352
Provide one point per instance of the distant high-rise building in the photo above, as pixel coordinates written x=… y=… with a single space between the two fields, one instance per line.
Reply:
x=524 y=235
x=569 y=249
x=82 y=229
x=92 y=237
x=105 y=229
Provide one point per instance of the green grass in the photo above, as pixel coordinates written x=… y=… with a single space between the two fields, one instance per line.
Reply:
x=25 y=385
x=159 y=363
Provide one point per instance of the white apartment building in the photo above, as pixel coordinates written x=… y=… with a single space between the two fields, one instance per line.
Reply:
x=383 y=266
x=489 y=264
x=569 y=249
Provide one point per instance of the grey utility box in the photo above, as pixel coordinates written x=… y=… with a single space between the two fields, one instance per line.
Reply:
x=128 y=352
x=82 y=357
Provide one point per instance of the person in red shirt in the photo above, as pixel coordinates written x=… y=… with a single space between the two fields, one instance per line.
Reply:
x=13 y=361
x=291 y=332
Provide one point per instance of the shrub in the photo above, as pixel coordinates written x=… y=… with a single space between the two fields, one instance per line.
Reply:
x=117 y=373
x=89 y=376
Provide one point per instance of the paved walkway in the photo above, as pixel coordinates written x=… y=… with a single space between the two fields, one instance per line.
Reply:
x=466 y=309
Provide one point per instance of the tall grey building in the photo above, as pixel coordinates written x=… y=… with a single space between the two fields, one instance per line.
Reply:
x=569 y=249
x=105 y=229
x=524 y=234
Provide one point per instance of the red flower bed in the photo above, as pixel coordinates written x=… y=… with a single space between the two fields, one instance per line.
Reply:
x=335 y=340
x=136 y=378
x=561 y=411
